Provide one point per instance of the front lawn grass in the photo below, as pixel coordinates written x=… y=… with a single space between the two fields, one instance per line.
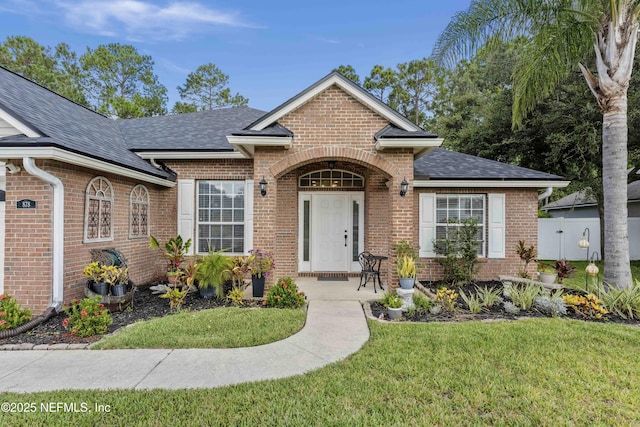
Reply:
x=225 y=327
x=527 y=373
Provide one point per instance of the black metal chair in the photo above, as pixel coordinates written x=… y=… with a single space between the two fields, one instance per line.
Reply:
x=370 y=269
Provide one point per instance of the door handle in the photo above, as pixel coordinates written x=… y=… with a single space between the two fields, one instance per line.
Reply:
x=345 y=238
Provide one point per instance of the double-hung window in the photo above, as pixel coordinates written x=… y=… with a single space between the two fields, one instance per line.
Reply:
x=221 y=216
x=453 y=210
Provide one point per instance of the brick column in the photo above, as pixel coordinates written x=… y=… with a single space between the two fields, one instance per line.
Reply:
x=402 y=218
x=264 y=207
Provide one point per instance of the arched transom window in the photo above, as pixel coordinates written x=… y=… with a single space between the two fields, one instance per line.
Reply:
x=331 y=178
x=139 y=209
x=98 y=210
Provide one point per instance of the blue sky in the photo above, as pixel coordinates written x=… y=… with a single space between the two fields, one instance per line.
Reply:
x=270 y=49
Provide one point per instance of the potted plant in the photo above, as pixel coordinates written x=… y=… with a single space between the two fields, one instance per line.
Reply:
x=260 y=264
x=93 y=272
x=175 y=252
x=406 y=271
x=211 y=273
x=547 y=274
x=393 y=304
x=117 y=278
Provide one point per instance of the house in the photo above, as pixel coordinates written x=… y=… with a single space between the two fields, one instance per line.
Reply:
x=581 y=205
x=316 y=180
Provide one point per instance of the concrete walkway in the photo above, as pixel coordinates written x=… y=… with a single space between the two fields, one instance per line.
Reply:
x=334 y=330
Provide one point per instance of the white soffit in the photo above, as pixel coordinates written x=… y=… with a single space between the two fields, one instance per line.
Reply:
x=247 y=144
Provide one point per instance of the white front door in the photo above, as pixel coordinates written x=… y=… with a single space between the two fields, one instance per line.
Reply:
x=330 y=233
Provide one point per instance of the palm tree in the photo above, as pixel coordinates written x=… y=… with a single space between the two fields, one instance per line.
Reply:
x=561 y=34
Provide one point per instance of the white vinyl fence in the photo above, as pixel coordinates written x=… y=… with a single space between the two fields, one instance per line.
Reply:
x=558 y=238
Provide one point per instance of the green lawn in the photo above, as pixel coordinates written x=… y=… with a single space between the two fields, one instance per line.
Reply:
x=530 y=372
x=210 y=329
x=578 y=280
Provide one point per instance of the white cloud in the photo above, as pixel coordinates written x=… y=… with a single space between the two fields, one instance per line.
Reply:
x=143 y=20
x=326 y=40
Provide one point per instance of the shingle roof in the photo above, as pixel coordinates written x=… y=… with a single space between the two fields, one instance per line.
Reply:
x=275 y=129
x=580 y=198
x=441 y=163
x=66 y=124
x=391 y=131
x=204 y=130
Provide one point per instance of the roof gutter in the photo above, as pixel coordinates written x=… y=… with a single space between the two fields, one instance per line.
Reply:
x=58 y=229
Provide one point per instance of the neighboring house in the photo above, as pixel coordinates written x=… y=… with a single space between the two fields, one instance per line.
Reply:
x=579 y=205
x=333 y=158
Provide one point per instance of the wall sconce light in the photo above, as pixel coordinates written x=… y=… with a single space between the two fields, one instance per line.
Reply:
x=404 y=186
x=263 y=187
x=331 y=164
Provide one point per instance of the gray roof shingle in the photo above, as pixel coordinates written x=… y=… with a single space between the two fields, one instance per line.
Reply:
x=441 y=163
x=391 y=131
x=203 y=131
x=66 y=124
x=580 y=198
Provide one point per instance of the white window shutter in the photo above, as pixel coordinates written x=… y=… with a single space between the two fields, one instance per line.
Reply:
x=186 y=211
x=427 y=226
x=497 y=225
x=248 y=216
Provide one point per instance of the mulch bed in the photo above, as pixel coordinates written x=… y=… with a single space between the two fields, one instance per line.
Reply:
x=495 y=313
x=145 y=306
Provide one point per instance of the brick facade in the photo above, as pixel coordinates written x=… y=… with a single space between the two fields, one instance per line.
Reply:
x=331 y=126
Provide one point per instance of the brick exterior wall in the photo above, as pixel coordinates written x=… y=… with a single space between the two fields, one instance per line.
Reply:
x=521 y=224
x=28 y=244
x=331 y=126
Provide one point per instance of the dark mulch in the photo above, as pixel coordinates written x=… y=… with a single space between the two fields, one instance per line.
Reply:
x=145 y=306
x=496 y=312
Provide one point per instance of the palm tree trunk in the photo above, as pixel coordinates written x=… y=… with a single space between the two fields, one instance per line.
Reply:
x=617 y=270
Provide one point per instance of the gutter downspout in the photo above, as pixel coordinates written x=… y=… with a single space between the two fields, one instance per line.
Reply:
x=58 y=229
x=546 y=194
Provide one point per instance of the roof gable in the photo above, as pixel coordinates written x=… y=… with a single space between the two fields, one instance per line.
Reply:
x=334 y=78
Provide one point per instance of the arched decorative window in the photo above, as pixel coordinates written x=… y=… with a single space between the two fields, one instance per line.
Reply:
x=98 y=211
x=331 y=178
x=139 y=212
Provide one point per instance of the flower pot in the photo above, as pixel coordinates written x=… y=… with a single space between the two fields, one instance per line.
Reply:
x=101 y=288
x=407 y=282
x=394 y=313
x=258 y=286
x=172 y=279
x=548 y=278
x=207 y=293
x=118 y=290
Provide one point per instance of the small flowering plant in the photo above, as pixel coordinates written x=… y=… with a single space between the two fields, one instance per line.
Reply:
x=87 y=317
x=284 y=294
x=11 y=313
x=546 y=268
x=260 y=263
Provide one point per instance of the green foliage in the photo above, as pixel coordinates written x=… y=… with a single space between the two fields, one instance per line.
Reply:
x=175 y=251
x=622 y=302
x=206 y=89
x=405 y=248
x=488 y=296
x=523 y=296
x=87 y=317
x=448 y=298
x=121 y=82
x=406 y=267
x=527 y=254
x=285 y=294
x=380 y=82
x=349 y=72
x=212 y=271
x=176 y=296
x=391 y=300
x=459 y=251
x=422 y=302
x=260 y=263
x=588 y=305
x=236 y=296
x=11 y=313
x=473 y=301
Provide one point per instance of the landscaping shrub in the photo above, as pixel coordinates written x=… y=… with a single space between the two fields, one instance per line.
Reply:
x=236 y=296
x=447 y=298
x=473 y=301
x=285 y=294
x=87 y=317
x=623 y=302
x=11 y=313
x=588 y=306
x=551 y=304
x=421 y=302
x=488 y=296
x=175 y=296
x=459 y=252
x=525 y=295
